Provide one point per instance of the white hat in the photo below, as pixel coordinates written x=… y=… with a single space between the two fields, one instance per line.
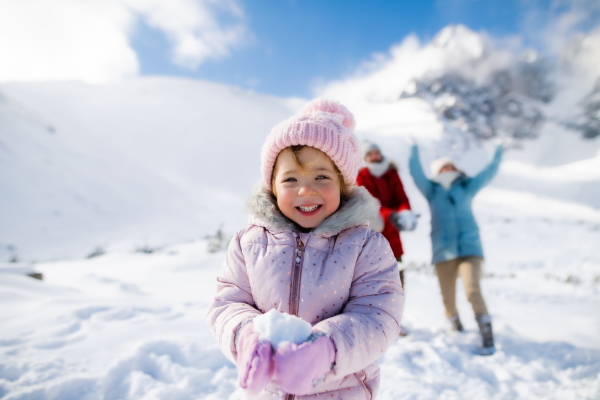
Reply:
x=436 y=165
x=366 y=146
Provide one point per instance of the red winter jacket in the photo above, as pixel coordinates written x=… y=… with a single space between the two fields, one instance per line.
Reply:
x=389 y=191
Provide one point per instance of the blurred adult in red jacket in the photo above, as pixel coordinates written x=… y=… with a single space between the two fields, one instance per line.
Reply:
x=380 y=177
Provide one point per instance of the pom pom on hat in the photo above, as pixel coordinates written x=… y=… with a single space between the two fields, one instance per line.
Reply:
x=332 y=107
x=323 y=124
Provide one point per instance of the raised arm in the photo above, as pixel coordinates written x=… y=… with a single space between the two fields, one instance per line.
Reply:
x=484 y=177
x=233 y=303
x=416 y=170
x=370 y=320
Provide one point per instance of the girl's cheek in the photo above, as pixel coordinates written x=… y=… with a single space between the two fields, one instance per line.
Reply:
x=330 y=186
x=331 y=193
x=284 y=198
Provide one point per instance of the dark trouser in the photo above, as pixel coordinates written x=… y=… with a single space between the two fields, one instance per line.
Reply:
x=403 y=331
x=399 y=259
x=402 y=278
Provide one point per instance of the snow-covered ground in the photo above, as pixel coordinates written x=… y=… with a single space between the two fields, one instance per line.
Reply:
x=131 y=325
x=156 y=164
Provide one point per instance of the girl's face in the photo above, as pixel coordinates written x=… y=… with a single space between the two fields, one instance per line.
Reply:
x=309 y=194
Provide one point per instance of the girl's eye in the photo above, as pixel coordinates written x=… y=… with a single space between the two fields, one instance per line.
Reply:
x=290 y=180
x=322 y=177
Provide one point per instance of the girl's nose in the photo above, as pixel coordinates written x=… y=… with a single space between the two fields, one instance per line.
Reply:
x=306 y=190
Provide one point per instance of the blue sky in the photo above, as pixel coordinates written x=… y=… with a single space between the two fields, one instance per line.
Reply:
x=294 y=44
x=279 y=47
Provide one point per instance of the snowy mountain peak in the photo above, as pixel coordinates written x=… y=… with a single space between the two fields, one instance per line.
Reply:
x=460 y=40
x=477 y=89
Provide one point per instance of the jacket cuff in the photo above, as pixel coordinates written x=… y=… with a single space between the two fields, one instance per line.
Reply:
x=236 y=335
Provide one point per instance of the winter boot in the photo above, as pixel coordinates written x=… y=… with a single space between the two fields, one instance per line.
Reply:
x=403 y=331
x=455 y=324
x=487 y=337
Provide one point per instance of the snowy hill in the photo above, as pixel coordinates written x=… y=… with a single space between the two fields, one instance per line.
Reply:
x=156 y=161
x=150 y=162
x=143 y=163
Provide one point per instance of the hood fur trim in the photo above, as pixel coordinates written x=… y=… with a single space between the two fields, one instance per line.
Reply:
x=361 y=206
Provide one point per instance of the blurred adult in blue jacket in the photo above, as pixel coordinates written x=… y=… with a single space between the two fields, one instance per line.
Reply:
x=455 y=235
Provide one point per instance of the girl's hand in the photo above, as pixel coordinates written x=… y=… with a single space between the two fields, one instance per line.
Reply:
x=300 y=367
x=255 y=366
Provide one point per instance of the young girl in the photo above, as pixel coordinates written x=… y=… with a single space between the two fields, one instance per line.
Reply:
x=308 y=251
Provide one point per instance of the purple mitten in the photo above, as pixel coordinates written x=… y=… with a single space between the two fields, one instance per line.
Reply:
x=299 y=366
x=255 y=367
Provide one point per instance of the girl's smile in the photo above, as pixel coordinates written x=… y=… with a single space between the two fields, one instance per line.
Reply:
x=307 y=190
x=309 y=210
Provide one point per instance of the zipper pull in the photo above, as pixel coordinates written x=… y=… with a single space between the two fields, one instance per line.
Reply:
x=299 y=250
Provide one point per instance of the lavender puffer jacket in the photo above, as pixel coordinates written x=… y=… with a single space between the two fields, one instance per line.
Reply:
x=342 y=278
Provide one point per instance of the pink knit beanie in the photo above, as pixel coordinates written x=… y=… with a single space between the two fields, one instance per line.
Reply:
x=323 y=124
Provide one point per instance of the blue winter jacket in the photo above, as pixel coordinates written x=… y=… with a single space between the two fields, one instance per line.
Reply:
x=454 y=231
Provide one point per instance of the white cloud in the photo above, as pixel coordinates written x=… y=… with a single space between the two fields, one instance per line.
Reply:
x=193 y=27
x=88 y=40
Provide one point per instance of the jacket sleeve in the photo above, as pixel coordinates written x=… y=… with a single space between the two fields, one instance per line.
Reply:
x=397 y=191
x=370 y=320
x=399 y=200
x=385 y=212
x=233 y=303
x=360 y=181
x=399 y=194
x=484 y=177
x=416 y=170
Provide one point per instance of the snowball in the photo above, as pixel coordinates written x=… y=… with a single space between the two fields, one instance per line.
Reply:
x=277 y=327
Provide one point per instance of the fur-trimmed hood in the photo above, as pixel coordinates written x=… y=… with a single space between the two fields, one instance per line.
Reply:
x=360 y=207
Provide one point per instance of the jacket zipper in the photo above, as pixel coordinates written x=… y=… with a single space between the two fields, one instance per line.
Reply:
x=366 y=388
x=296 y=274
x=296 y=277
